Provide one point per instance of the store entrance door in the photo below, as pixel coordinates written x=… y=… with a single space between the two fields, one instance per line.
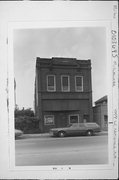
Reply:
x=61 y=119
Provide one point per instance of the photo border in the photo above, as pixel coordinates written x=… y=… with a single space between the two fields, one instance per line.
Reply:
x=110 y=21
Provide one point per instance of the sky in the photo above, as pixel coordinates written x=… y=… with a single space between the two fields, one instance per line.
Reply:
x=77 y=42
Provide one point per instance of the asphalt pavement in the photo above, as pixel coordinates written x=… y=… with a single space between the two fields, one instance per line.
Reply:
x=41 y=149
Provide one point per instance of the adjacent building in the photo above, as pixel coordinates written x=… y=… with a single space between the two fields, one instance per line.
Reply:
x=15 y=93
x=100 y=113
x=63 y=92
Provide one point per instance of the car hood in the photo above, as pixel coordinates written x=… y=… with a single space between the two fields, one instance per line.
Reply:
x=18 y=131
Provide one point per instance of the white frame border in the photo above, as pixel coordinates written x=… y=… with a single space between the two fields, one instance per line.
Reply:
x=103 y=171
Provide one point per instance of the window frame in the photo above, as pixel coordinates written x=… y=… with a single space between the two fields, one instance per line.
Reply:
x=62 y=83
x=76 y=89
x=45 y=120
x=73 y=115
x=54 y=87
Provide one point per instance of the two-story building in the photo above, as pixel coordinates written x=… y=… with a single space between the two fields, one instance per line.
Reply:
x=63 y=92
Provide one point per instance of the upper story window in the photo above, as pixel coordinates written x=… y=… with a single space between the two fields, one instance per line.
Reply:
x=65 y=84
x=78 y=83
x=51 y=85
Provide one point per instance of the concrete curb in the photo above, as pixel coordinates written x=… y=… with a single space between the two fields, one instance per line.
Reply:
x=36 y=135
x=47 y=135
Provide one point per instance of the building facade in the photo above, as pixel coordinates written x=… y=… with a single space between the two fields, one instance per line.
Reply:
x=63 y=92
x=100 y=113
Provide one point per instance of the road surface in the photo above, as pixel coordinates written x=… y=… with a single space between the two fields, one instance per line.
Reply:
x=62 y=151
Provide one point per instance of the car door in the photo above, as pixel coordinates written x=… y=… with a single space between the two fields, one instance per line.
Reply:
x=82 y=128
x=73 y=129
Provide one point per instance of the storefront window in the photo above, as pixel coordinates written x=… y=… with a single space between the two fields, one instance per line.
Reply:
x=49 y=120
x=73 y=119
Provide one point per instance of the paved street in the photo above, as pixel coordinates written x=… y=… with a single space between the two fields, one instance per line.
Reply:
x=62 y=151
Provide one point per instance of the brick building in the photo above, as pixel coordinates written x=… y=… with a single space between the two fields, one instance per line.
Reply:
x=100 y=113
x=63 y=92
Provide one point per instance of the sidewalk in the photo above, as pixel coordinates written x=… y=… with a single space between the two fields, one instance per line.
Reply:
x=36 y=135
x=47 y=135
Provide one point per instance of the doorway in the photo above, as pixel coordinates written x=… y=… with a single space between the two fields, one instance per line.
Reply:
x=61 y=119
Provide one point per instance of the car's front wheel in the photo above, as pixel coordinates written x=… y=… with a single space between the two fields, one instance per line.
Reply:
x=89 y=133
x=61 y=134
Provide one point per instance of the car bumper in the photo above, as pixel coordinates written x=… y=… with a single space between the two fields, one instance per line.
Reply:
x=51 y=133
x=97 y=131
x=18 y=134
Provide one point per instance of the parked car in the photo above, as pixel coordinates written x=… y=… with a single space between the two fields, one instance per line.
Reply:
x=18 y=133
x=88 y=129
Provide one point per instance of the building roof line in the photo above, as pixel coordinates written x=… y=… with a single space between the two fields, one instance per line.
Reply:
x=104 y=98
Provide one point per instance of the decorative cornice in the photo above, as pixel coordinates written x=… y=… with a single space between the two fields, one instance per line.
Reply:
x=62 y=63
